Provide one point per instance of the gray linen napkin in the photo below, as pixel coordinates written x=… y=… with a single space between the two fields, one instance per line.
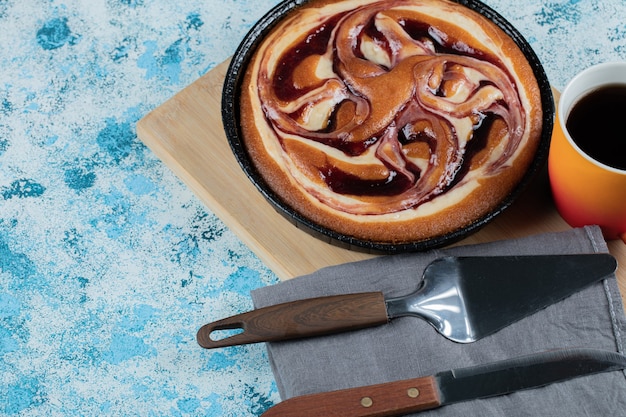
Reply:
x=409 y=347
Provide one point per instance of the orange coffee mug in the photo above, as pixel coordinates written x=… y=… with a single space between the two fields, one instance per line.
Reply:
x=589 y=186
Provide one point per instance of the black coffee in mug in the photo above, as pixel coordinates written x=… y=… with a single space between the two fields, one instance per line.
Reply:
x=597 y=124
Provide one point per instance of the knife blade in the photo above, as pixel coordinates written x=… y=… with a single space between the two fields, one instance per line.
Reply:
x=453 y=386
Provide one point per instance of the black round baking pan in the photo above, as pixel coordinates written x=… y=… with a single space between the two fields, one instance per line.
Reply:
x=231 y=117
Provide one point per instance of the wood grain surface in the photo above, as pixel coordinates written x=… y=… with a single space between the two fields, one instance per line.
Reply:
x=310 y=317
x=186 y=133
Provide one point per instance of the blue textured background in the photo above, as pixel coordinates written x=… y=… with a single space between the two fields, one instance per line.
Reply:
x=108 y=263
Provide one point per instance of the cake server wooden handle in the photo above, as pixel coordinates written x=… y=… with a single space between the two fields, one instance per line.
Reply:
x=297 y=319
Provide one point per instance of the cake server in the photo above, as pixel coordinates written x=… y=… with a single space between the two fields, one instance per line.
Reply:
x=448 y=387
x=463 y=298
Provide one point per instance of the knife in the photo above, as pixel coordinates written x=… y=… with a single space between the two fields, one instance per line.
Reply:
x=453 y=386
x=463 y=298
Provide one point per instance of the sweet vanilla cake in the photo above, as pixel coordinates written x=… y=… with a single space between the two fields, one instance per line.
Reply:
x=390 y=121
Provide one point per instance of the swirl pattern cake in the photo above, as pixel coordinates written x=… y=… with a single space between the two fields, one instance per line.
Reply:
x=390 y=121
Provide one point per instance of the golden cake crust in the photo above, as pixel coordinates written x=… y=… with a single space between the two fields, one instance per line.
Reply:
x=419 y=130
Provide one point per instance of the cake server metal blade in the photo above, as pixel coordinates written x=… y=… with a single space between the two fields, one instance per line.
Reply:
x=469 y=298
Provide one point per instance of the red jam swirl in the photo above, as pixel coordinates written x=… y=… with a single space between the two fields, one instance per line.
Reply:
x=408 y=99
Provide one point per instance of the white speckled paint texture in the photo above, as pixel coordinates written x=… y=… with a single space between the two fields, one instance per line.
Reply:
x=108 y=263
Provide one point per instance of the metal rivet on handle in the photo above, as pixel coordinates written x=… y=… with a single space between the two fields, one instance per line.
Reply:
x=366 y=402
x=413 y=392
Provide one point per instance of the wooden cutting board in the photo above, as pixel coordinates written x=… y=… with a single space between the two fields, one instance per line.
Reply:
x=186 y=133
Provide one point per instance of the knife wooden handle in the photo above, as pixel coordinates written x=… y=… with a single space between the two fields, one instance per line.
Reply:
x=296 y=319
x=388 y=399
